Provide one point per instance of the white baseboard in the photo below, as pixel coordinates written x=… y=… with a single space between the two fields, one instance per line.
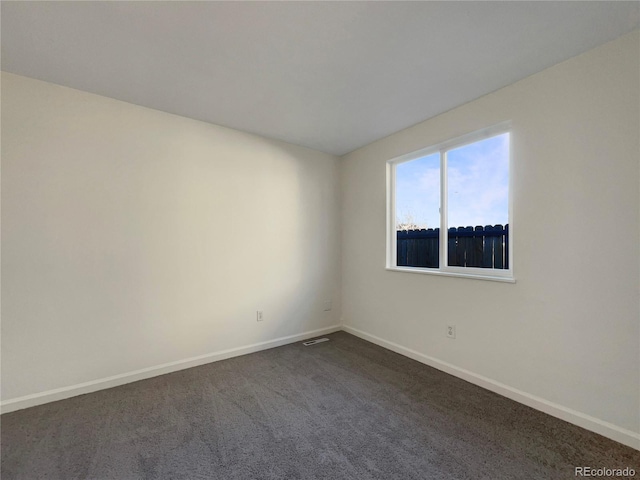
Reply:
x=606 y=429
x=609 y=430
x=123 y=378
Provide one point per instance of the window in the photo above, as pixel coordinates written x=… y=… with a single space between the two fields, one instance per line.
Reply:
x=449 y=209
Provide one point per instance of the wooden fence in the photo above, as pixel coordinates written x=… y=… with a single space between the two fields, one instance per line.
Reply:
x=483 y=247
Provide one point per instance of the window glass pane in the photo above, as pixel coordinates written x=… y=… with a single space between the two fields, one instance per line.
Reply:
x=418 y=212
x=478 y=203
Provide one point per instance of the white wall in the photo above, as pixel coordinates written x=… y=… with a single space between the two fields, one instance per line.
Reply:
x=132 y=238
x=568 y=330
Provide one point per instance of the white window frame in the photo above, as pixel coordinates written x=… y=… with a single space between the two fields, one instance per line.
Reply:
x=500 y=275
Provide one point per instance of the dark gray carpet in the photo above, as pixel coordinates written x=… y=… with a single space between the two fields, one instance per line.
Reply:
x=344 y=409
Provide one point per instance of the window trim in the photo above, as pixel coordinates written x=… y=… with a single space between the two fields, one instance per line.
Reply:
x=500 y=275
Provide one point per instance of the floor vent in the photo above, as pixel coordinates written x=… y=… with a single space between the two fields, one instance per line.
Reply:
x=313 y=342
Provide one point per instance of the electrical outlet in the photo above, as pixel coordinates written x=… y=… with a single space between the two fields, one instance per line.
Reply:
x=327 y=305
x=259 y=316
x=451 y=331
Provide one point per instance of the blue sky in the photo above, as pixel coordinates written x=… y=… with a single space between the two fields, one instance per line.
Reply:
x=478 y=186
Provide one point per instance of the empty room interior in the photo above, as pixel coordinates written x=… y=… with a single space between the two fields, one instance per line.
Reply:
x=320 y=240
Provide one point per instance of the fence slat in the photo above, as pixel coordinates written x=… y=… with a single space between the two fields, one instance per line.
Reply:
x=474 y=251
x=498 y=251
x=462 y=247
x=487 y=250
x=452 y=240
x=434 y=248
x=420 y=245
x=506 y=246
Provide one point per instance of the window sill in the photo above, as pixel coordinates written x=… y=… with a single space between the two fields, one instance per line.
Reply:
x=425 y=271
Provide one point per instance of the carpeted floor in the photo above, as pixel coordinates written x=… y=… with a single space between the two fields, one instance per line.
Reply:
x=344 y=409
